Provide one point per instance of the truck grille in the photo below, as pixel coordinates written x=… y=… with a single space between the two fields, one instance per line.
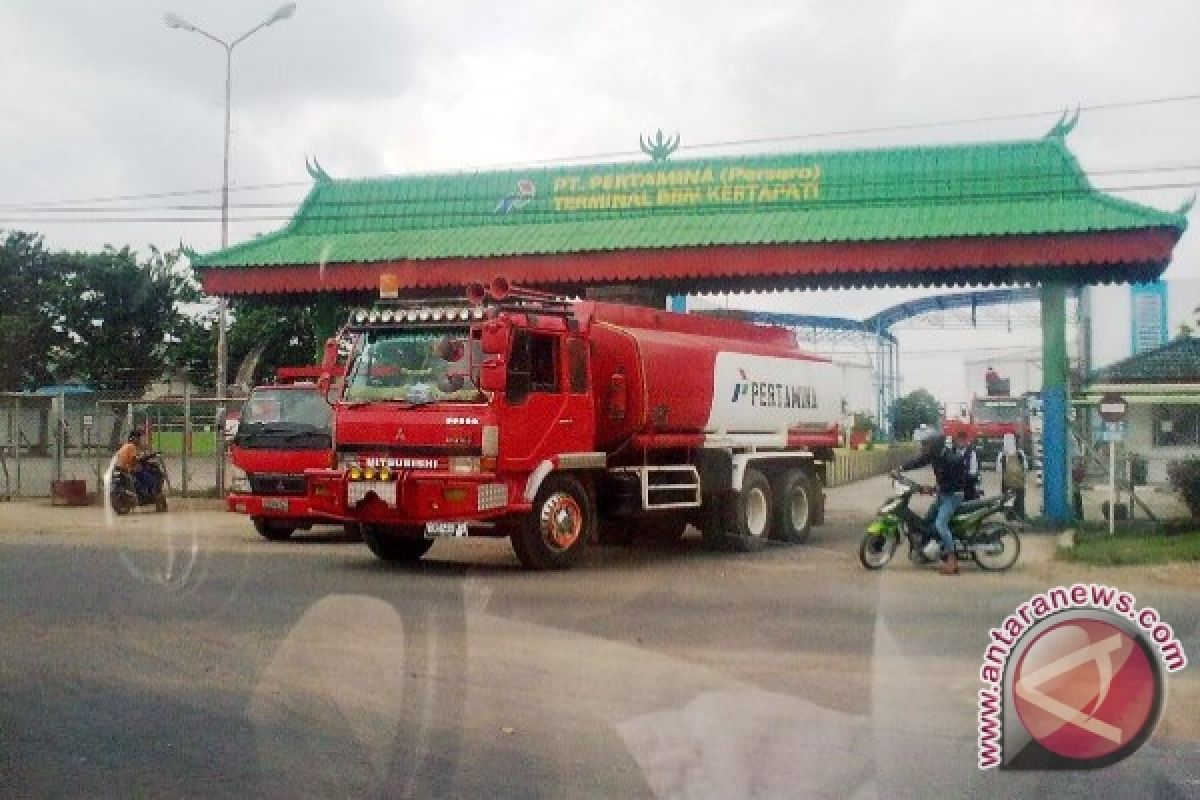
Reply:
x=266 y=483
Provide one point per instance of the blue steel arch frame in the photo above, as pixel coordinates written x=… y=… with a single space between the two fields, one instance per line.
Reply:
x=878 y=326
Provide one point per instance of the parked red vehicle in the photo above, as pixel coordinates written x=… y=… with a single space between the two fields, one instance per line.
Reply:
x=284 y=430
x=554 y=423
x=990 y=418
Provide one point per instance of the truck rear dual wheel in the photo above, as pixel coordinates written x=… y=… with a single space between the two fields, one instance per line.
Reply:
x=795 y=506
x=560 y=526
x=395 y=546
x=740 y=521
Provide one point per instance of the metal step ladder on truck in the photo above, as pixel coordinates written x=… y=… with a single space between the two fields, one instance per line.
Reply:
x=557 y=423
x=284 y=429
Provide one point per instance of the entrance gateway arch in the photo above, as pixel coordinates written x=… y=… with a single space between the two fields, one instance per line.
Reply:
x=986 y=214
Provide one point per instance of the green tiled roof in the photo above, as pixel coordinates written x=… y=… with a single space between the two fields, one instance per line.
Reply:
x=1023 y=187
x=1178 y=361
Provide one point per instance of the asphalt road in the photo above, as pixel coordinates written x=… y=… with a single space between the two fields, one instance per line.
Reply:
x=180 y=655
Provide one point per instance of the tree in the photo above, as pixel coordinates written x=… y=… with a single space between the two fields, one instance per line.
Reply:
x=117 y=313
x=29 y=342
x=286 y=334
x=914 y=409
x=283 y=336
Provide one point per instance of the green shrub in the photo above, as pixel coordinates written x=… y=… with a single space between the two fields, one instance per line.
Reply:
x=1185 y=478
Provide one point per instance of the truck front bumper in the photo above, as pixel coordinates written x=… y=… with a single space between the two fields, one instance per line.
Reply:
x=412 y=498
x=290 y=507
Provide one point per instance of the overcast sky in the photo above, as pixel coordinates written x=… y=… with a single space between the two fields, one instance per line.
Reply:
x=101 y=99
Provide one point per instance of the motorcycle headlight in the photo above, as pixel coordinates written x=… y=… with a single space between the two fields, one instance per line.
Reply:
x=239 y=481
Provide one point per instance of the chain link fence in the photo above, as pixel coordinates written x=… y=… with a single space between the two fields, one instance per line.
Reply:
x=46 y=438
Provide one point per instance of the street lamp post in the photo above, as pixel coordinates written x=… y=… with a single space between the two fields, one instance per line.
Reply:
x=175 y=21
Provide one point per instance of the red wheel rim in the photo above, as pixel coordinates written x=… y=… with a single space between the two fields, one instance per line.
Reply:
x=561 y=521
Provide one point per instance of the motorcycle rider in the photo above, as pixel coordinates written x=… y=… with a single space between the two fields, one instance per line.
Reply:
x=951 y=470
x=127 y=458
x=965 y=449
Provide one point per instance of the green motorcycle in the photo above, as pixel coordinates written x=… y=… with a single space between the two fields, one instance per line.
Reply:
x=984 y=530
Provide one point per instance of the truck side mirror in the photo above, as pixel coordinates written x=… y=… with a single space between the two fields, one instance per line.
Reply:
x=493 y=375
x=617 y=400
x=493 y=340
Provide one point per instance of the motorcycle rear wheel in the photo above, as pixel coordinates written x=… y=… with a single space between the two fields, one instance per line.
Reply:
x=876 y=550
x=1004 y=544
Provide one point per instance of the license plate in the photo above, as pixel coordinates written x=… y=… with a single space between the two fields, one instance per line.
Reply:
x=435 y=529
x=275 y=504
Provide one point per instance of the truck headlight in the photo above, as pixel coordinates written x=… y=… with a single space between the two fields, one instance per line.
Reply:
x=464 y=463
x=239 y=481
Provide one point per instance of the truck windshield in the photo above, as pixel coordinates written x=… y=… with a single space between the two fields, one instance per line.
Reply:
x=285 y=419
x=1007 y=411
x=417 y=367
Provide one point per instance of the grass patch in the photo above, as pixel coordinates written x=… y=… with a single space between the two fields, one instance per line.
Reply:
x=1134 y=547
x=204 y=443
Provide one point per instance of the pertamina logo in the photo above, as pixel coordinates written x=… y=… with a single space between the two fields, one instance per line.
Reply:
x=769 y=394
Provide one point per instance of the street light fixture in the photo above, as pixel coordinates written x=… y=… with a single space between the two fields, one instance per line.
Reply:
x=175 y=21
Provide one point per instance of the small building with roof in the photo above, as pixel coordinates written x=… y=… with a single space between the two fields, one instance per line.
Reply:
x=1161 y=388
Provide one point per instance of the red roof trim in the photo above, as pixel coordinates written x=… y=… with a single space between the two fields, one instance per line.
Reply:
x=1147 y=246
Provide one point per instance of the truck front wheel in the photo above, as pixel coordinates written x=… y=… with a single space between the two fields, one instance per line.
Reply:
x=561 y=524
x=273 y=531
x=795 y=506
x=388 y=546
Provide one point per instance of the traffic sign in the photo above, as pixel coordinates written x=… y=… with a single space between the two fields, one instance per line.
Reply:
x=1114 y=431
x=1112 y=407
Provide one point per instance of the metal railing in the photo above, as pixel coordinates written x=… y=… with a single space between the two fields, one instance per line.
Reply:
x=849 y=466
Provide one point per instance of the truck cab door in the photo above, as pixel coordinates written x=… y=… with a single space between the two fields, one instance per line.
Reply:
x=547 y=398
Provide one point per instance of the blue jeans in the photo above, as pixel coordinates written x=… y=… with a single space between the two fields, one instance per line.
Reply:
x=946 y=504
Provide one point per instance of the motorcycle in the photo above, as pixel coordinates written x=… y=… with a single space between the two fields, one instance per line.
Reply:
x=125 y=494
x=978 y=535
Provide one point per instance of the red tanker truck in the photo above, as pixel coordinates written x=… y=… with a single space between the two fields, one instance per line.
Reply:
x=557 y=423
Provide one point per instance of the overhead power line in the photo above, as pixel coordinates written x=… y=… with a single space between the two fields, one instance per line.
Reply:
x=916 y=181
x=709 y=208
x=730 y=143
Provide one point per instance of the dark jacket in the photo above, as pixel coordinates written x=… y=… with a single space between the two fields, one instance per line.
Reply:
x=949 y=468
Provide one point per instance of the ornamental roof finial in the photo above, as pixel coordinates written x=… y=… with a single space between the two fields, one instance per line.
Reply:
x=316 y=171
x=1066 y=123
x=659 y=148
